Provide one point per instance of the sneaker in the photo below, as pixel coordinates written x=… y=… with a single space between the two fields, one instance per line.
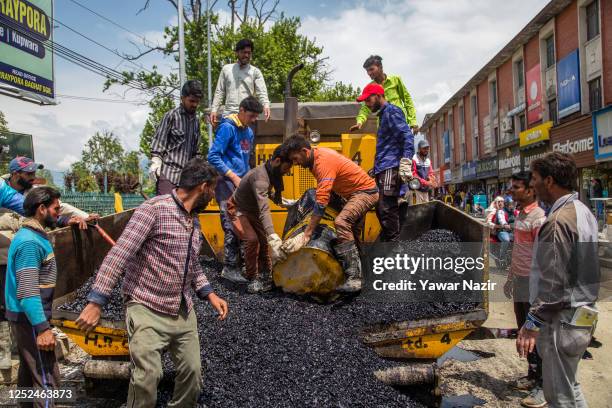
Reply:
x=260 y=286
x=233 y=274
x=535 y=399
x=525 y=384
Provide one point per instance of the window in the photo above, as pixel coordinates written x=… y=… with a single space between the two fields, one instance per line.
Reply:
x=595 y=94
x=475 y=148
x=495 y=137
x=522 y=125
x=493 y=92
x=592 y=16
x=461 y=119
x=550 y=51
x=552 y=111
x=520 y=79
x=474 y=108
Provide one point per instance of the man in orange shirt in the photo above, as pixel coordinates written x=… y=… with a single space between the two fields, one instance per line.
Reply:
x=339 y=174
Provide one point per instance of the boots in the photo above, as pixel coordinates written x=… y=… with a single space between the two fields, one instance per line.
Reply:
x=233 y=274
x=348 y=255
x=5 y=346
x=263 y=283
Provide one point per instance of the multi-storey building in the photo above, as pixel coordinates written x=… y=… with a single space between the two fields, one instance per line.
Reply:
x=549 y=88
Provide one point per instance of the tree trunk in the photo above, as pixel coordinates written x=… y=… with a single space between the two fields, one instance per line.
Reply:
x=246 y=11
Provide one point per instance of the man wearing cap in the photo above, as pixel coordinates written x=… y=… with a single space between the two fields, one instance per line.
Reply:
x=392 y=162
x=395 y=92
x=20 y=181
x=421 y=170
x=176 y=140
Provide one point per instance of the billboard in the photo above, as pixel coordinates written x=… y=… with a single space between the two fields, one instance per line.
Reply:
x=602 y=134
x=26 y=57
x=568 y=84
x=534 y=95
x=447 y=149
x=15 y=144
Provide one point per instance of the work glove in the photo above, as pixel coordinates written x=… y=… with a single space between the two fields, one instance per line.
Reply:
x=275 y=247
x=155 y=168
x=287 y=202
x=294 y=244
x=405 y=169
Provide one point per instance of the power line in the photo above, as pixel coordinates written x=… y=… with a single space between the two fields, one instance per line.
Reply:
x=145 y=41
x=93 y=99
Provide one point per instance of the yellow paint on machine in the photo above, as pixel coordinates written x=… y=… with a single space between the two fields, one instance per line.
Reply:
x=358 y=147
x=102 y=341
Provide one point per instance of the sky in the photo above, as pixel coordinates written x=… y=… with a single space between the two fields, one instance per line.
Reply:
x=434 y=45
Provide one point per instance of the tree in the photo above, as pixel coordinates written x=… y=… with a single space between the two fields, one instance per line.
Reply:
x=103 y=153
x=338 y=92
x=80 y=179
x=46 y=174
x=131 y=164
x=3 y=123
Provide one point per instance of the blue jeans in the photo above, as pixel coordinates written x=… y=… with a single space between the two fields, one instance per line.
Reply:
x=505 y=238
x=231 y=244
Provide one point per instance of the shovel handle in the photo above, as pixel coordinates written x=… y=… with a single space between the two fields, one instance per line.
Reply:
x=104 y=234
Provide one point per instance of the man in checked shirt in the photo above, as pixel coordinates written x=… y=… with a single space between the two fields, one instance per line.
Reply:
x=158 y=251
x=176 y=140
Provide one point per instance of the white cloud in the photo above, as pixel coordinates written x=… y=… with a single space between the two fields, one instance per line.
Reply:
x=435 y=46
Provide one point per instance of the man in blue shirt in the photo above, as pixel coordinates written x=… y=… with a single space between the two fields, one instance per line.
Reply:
x=230 y=155
x=392 y=162
x=30 y=283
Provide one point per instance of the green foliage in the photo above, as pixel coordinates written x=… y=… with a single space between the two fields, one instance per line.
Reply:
x=131 y=164
x=338 y=92
x=46 y=174
x=80 y=178
x=3 y=123
x=103 y=152
x=158 y=107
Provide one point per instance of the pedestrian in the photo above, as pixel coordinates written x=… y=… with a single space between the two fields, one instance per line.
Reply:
x=230 y=155
x=526 y=227
x=158 y=253
x=30 y=283
x=176 y=140
x=249 y=211
x=337 y=173
x=421 y=169
x=238 y=81
x=395 y=93
x=597 y=192
x=564 y=282
x=393 y=158
x=501 y=228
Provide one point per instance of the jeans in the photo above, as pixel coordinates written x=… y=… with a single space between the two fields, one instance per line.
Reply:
x=231 y=243
x=505 y=238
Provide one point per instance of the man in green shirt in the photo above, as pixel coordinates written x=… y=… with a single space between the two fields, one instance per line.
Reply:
x=395 y=93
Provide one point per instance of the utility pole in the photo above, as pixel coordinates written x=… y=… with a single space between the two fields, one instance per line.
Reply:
x=181 y=34
x=209 y=79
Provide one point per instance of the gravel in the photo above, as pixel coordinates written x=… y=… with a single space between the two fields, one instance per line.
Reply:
x=113 y=310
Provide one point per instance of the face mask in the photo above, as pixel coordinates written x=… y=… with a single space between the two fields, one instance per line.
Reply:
x=25 y=184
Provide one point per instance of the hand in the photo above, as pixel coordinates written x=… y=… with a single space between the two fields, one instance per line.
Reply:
x=81 y=222
x=287 y=202
x=212 y=118
x=508 y=288
x=356 y=126
x=234 y=178
x=405 y=169
x=93 y=217
x=45 y=341
x=275 y=247
x=526 y=341
x=89 y=317
x=155 y=168
x=219 y=305
x=267 y=113
x=296 y=243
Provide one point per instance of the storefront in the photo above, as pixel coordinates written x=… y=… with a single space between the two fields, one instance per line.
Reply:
x=576 y=138
x=534 y=143
x=486 y=171
x=468 y=174
x=508 y=163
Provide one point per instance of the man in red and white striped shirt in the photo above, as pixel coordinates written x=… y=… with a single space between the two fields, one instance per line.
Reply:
x=158 y=251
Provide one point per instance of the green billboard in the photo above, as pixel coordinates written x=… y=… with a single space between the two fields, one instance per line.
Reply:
x=13 y=145
x=26 y=57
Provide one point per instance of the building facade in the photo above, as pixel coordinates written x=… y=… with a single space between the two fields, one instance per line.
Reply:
x=548 y=89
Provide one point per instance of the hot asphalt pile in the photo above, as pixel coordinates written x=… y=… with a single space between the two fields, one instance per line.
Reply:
x=113 y=310
x=281 y=350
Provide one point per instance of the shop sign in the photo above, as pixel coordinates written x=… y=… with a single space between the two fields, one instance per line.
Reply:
x=509 y=162
x=456 y=175
x=534 y=95
x=602 y=134
x=530 y=155
x=568 y=84
x=447 y=149
x=535 y=134
x=487 y=168
x=574 y=146
x=448 y=176
x=468 y=171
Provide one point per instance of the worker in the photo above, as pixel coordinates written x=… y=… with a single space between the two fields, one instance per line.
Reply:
x=30 y=283
x=158 y=252
x=238 y=81
x=334 y=172
x=176 y=139
x=230 y=154
x=392 y=161
x=421 y=169
x=526 y=227
x=251 y=218
x=564 y=281
x=395 y=92
x=21 y=178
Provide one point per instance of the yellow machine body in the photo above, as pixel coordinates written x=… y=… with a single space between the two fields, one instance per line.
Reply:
x=103 y=341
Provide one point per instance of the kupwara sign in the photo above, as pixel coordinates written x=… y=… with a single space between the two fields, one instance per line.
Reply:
x=26 y=56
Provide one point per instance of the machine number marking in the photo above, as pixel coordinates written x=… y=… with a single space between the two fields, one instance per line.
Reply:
x=357 y=158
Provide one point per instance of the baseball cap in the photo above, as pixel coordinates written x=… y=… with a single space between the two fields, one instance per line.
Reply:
x=371 y=89
x=423 y=143
x=22 y=163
